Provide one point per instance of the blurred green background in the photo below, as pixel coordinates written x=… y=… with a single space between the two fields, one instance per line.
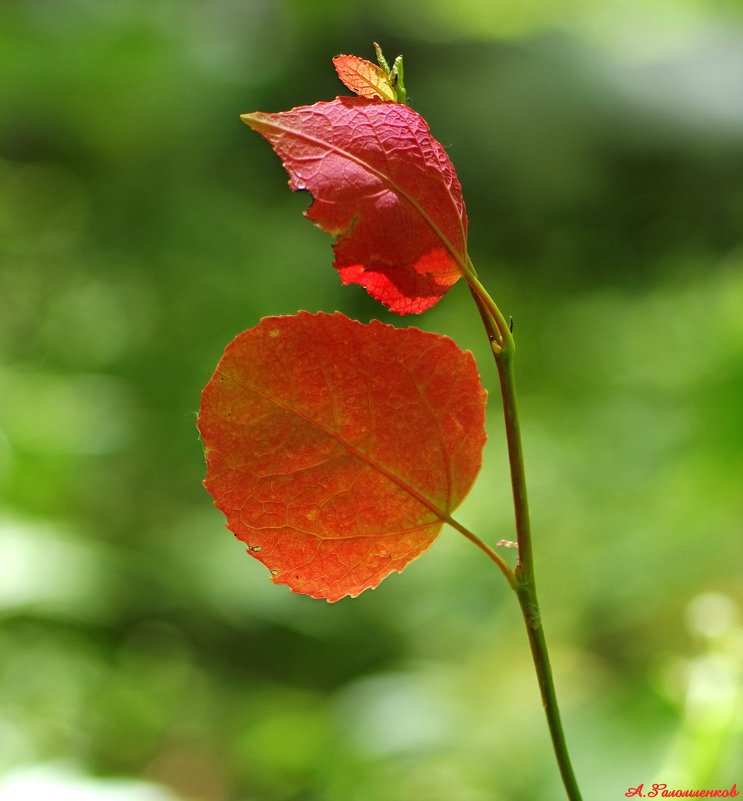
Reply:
x=143 y=656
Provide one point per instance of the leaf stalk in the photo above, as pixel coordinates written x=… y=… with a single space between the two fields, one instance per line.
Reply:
x=490 y=552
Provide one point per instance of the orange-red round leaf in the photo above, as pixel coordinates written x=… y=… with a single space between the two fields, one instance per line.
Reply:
x=337 y=450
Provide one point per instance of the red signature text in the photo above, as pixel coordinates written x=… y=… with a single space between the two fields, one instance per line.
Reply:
x=663 y=791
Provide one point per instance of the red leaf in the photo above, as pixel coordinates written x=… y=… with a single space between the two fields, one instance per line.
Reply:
x=337 y=450
x=364 y=78
x=384 y=187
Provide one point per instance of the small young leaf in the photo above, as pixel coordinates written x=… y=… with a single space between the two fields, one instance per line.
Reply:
x=337 y=450
x=384 y=187
x=364 y=78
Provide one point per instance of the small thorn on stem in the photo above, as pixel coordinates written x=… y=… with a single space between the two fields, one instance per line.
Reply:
x=510 y=324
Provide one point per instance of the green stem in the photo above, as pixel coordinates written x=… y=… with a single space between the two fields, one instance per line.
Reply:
x=527 y=588
x=503 y=348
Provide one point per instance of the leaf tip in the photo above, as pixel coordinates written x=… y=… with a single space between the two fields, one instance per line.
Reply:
x=253 y=120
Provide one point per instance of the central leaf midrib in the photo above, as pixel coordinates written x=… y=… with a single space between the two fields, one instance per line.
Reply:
x=387 y=473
